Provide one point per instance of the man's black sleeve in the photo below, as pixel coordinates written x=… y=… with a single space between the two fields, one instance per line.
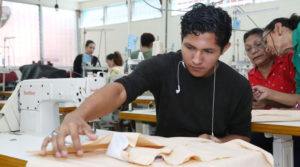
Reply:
x=240 y=122
x=144 y=77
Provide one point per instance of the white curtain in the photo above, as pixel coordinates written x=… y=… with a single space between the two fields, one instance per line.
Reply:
x=60 y=36
x=20 y=35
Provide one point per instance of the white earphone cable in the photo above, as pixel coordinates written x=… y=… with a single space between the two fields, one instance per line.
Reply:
x=213 y=103
x=178 y=80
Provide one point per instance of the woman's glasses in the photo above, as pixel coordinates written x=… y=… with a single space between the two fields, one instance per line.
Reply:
x=266 y=41
x=257 y=45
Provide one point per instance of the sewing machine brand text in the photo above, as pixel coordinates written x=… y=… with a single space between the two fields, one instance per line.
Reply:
x=29 y=93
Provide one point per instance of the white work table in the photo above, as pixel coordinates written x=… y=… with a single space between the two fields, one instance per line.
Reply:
x=282 y=133
x=285 y=128
x=146 y=115
x=13 y=147
x=144 y=99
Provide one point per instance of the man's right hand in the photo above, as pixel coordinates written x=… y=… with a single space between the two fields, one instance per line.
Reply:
x=73 y=125
x=100 y=103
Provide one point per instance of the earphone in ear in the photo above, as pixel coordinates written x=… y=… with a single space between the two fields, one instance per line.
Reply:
x=178 y=89
x=183 y=63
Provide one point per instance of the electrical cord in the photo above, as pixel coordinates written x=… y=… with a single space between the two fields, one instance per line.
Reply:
x=248 y=16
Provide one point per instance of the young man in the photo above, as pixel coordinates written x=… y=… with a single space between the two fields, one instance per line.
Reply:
x=195 y=94
x=147 y=40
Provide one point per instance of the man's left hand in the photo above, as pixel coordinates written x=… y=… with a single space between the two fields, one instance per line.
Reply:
x=210 y=137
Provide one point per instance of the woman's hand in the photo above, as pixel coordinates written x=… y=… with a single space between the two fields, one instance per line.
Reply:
x=261 y=93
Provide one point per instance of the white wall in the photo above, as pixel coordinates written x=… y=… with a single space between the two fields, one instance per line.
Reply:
x=117 y=38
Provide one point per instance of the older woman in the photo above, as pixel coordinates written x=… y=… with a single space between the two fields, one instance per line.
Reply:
x=272 y=76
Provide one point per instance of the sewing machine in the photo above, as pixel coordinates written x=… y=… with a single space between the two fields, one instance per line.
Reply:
x=36 y=110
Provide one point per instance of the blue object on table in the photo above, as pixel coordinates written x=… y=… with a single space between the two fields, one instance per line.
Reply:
x=236 y=24
x=132 y=42
x=86 y=58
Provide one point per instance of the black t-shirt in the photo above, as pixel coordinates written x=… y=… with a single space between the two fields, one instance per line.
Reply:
x=189 y=113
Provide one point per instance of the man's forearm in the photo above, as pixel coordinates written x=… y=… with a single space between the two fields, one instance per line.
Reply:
x=102 y=102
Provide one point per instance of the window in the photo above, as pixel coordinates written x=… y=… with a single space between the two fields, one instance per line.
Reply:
x=92 y=17
x=262 y=1
x=116 y=13
x=60 y=36
x=183 y=6
x=21 y=31
x=142 y=10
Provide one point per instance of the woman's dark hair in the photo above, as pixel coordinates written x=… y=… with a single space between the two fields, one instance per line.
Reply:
x=147 y=39
x=116 y=57
x=89 y=42
x=290 y=23
x=202 y=19
x=254 y=31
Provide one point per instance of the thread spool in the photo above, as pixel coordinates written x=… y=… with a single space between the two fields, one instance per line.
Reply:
x=141 y=56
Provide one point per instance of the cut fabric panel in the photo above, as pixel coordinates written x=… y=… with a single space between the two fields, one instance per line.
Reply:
x=160 y=151
x=275 y=115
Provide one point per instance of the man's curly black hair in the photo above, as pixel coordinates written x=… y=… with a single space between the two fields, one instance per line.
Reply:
x=207 y=18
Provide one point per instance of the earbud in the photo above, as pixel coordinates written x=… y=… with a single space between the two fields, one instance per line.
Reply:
x=178 y=89
x=183 y=63
x=178 y=85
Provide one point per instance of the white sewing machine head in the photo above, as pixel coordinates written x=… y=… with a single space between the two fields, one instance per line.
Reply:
x=39 y=99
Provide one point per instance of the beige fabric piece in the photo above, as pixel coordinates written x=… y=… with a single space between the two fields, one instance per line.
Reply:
x=144 y=155
x=179 y=151
x=135 y=140
x=275 y=115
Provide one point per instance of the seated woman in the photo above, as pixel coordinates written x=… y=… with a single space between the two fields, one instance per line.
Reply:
x=86 y=59
x=115 y=62
x=270 y=75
